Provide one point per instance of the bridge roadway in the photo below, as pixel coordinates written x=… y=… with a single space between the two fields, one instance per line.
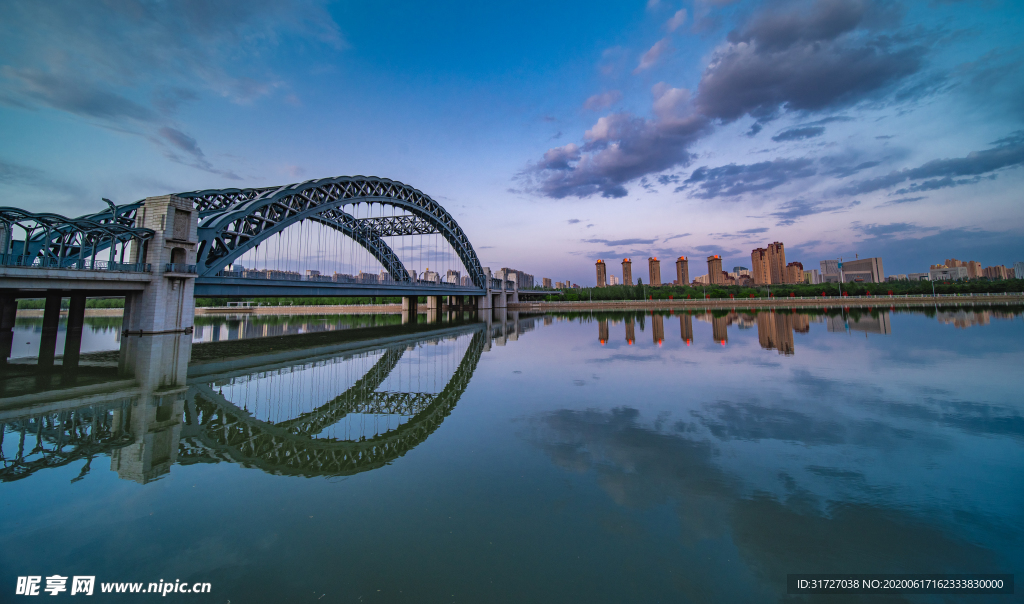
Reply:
x=202 y=426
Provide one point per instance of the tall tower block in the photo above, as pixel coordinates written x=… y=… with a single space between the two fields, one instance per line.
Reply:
x=654 y=268
x=682 y=271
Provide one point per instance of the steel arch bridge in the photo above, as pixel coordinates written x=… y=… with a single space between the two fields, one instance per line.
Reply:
x=235 y=221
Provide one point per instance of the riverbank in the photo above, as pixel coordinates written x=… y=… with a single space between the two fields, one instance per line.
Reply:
x=819 y=302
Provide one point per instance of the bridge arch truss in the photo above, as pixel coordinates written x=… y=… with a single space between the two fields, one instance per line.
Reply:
x=234 y=221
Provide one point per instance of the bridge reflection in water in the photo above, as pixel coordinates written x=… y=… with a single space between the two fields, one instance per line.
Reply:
x=331 y=410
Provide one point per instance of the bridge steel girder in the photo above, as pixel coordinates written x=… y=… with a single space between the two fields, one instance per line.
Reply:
x=228 y=287
x=238 y=219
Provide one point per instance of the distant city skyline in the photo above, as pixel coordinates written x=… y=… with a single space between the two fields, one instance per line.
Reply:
x=643 y=133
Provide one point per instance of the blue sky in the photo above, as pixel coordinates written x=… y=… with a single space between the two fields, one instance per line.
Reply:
x=555 y=134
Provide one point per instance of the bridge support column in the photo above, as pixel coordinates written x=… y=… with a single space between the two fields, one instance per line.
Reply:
x=51 y=322
x=167 y=304
x=8 y=310
x=409 y=309
x=73 y=336
x=433 y=303
x=484 y=302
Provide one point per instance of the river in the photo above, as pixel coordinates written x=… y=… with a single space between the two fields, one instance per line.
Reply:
x=621 y=457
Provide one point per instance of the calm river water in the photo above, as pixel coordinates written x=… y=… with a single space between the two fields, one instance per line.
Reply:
x=586 y=458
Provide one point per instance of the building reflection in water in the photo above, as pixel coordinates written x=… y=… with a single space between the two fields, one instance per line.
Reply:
x=719 y=329
x=686 y=328
x=658 y=328
x=775 y=328
x=351 y=408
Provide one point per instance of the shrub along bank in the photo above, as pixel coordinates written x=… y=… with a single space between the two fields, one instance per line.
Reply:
x=665 y=292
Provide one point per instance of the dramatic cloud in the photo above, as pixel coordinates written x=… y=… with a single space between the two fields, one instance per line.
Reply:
x=128 y=65
x=603 y=100
x=844 y=171
x=812 y=57
x=792 y=211
x=620 y=148
x=807 y=57
x=1006 y=153
x=677 y=20
x=799 y=133
x=894 y=202
x=650 y=58
x=887 y=230
x=733 y=179
x=621 y=241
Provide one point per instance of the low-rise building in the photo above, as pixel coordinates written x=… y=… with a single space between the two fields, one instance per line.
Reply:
x=919 y=277
x=941 y=272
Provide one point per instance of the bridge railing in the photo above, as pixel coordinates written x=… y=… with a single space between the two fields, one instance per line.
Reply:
x=88 y=264
x=177 y=267
x=337 y=278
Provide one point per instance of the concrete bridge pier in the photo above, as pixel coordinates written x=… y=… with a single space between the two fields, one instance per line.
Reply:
x=8 y=309
x=409 y=309
x=166 y=305
x=73 y=335
x=51 y=321
x=483 y=303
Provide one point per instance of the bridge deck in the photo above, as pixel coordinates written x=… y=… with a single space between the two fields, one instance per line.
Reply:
x=224 y=287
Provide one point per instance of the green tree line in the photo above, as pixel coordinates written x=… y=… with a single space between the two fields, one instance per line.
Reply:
x=681 y=292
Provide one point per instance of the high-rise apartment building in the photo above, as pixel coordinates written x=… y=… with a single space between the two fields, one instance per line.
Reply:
x=602 y=274
x=740 y=270
x=1018 y=270
x=715 y=274
x=777 y=262
x=522 y=280
x=973 y=270
x=613 y=280
x=759 y=267
x=795 y=272
x=654 y=268
x=627 y=272
x=547 y=283
x=997 y=272
x=682 y=270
